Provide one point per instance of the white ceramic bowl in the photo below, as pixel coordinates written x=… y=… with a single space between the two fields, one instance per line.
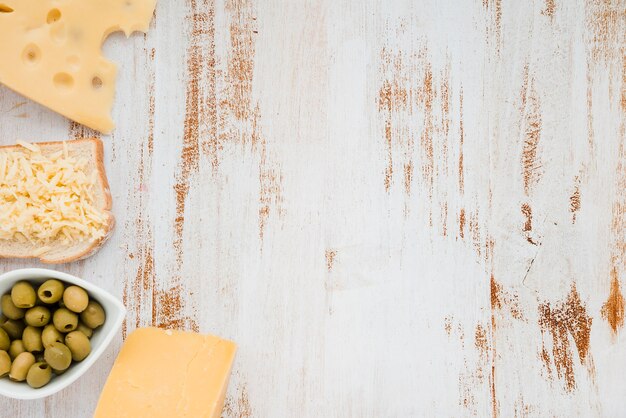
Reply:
x=102 y=336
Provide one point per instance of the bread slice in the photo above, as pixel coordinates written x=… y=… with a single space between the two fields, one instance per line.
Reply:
x=58 y=252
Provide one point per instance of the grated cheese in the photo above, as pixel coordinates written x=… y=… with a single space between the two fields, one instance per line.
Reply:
x=48 y=198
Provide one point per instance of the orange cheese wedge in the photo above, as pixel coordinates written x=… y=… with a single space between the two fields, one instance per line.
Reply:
x=168 y=374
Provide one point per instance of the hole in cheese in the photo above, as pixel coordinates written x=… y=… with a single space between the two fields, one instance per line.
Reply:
x=63 y=81
x=54 y=15
x=31 y=54
x=96 y=83
x=5 y=9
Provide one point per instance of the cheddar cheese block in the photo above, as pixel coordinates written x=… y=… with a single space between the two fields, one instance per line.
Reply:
x=51 y=52
x=54 y=200
x=165 y=374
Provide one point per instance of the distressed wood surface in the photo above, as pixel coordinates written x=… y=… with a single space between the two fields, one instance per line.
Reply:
x=396 y=208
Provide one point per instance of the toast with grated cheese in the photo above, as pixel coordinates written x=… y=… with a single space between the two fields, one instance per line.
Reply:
x=55 y=202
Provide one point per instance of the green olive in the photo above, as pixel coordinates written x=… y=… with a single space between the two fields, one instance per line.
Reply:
x=5 y=341
x=32 y=339
x=20 y=366
x=58 y=356
x=50 y=335
x=23 y=295
x=93 y=316
x=5 y=363
x=79 y=345
x=16 y=348
x=51 y=291
x=9 y=309
x=84 y=329
x=65 y=320
x=37 y=316
x=39 y=375
x=75 y=299
x=13 y=328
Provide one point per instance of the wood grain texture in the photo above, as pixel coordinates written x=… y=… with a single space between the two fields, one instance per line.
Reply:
x=397 y=209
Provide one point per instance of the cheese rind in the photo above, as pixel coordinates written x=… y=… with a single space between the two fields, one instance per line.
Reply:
x=161 y=373
x=51 y=53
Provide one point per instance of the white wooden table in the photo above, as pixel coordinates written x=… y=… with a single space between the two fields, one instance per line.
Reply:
x=395 y=208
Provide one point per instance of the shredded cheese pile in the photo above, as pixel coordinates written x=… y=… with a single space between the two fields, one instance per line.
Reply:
x=47 y=198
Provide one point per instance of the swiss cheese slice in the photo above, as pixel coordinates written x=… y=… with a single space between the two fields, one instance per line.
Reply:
x=168 y=374
x=50 y=52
